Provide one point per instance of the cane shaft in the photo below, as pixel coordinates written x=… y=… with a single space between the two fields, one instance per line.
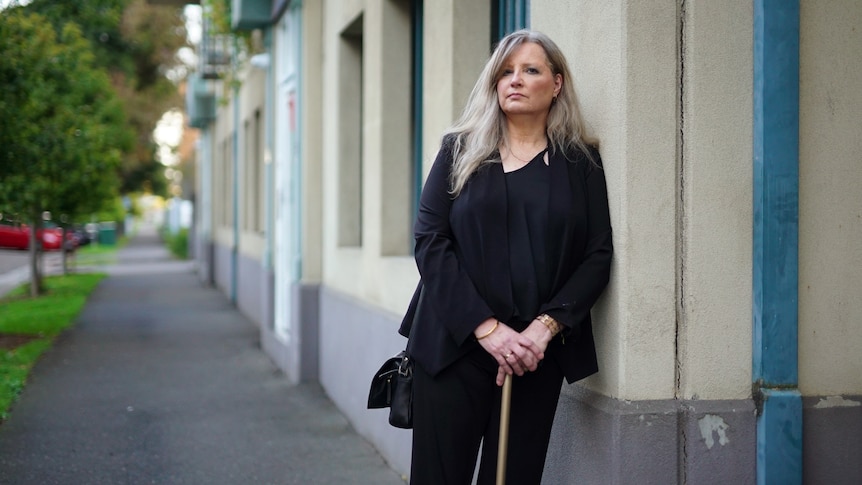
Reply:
x=505 y=408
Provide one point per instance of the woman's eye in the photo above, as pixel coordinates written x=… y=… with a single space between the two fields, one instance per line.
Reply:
x=506 y=72
x=532 y=70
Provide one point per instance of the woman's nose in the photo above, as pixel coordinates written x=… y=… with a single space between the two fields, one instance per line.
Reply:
x=516 y=79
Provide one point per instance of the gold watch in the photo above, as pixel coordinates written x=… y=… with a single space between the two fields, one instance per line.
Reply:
x=553 y=325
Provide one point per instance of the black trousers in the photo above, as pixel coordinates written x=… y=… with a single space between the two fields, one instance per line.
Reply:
x=459 y=409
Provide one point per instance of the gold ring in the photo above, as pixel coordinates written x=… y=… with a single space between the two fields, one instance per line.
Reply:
x=508 y=355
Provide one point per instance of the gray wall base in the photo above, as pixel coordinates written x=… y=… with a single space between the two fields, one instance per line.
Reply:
x=832 y=440
x=355 y=339
x=307 y=298
x=599 y=440
x=298 y=357
x=204 y=258
x=251 y=288
x=221 y=269
x=268 y=299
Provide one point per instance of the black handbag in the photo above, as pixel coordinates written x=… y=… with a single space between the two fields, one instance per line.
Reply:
x=392 y=387
x=392 y=384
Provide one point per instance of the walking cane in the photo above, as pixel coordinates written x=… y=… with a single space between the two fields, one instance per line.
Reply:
x=505 y=408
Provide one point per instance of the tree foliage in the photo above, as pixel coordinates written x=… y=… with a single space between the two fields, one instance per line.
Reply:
x=136 y=43
x=63 y=129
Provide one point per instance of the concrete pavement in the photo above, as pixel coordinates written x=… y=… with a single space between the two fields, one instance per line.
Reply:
x=163 y=381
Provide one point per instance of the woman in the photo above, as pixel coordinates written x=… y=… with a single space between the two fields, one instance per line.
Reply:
x=513 y=244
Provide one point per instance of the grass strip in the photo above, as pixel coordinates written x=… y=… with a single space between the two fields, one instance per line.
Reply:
x=95 y=254
x=42 y=318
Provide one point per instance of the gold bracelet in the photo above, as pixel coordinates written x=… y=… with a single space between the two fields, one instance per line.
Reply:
x=489 y=331
x=553 y=326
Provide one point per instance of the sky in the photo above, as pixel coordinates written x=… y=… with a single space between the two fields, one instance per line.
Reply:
x=6 y=3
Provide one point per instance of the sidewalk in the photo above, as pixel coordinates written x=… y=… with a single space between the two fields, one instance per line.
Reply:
x=163 y=381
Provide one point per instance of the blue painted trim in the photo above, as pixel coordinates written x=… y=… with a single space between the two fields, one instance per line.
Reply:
x=776 y=190
x=417 y=18
x=234 y=255
x=776 y=241
x=269 y=128
x=300 y=130
x=779 y=439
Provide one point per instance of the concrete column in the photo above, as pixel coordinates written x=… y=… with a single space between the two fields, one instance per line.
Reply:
x=665 y=85
x=830 y=228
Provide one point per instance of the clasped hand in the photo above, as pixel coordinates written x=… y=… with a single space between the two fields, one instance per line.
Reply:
x=515 y=352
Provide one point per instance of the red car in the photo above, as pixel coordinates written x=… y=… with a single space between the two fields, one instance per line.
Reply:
x=17 y=236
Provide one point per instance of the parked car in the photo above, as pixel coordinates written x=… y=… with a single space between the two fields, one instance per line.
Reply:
x=74 y=237
x=83 y=236
x=17 y=236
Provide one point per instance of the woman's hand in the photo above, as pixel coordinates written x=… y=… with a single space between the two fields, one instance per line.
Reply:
x=514 y=352
x=539 y=333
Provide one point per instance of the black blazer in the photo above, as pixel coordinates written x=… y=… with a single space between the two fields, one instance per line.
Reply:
x=463 y=258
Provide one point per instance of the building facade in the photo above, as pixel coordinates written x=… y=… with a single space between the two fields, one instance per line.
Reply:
x=730 y=142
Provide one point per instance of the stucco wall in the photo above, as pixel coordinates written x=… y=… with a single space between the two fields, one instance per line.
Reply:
x=624 y=68
x=666 y=86
x=381 y=270
x=460 y=35
x=366 y=288
x=715 y=214
x=830 y=198
x=667 y=91
x=312 y=143
x=251 y=101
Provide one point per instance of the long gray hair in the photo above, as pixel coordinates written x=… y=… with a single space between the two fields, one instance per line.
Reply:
x=482 y=125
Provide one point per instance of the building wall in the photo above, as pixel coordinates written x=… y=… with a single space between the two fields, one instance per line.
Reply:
x=830 y=204
x=296 y=293
x=666 y=86
x=830 y=228
x=253 y=283
x=223 y=188
x=367 y=274
x=238 y=236
x=636 y=126
x=353 y=258
x=659 y=338
x=667 y=90
x=313 y=142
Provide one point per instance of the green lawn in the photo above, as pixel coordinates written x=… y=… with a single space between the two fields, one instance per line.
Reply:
x=98 y=254
x=42 y=318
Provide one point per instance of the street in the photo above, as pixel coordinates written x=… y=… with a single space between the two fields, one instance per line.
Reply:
x=11 y=259
x=15 y=267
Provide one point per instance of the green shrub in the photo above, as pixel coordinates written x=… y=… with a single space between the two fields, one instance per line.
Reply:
x=177 y=243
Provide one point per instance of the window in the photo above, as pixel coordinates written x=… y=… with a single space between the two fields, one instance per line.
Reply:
x=260 y=175
x=508 y=16
x=350 y=94
x=399 y=127
x=416 y=18
x=248 y=177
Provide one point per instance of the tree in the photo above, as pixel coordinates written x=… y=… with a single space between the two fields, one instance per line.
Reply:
x=63 y=129
x=136 y=43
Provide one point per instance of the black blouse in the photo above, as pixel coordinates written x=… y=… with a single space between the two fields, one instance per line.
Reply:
x=527 y=208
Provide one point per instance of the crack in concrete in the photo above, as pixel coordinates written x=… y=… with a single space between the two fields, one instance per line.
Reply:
x=682 y=456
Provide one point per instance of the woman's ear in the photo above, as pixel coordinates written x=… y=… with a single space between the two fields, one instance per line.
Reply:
x=558 y=84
